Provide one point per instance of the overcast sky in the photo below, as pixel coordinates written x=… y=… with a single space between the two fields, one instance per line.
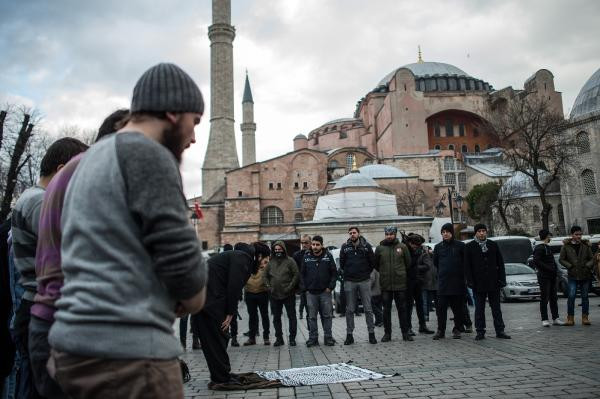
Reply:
x=309 y=61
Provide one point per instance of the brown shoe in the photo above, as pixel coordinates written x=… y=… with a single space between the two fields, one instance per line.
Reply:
x=251 y=341
x=585 y=320
x=570 y=321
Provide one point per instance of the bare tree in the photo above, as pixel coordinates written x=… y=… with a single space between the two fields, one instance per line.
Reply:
x=410 y=199
x=534 y=140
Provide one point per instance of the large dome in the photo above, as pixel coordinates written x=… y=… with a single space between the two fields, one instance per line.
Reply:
x=355 y=180
x=588 y=99
x=422 y=69
x=380 y=171
x=521 y=185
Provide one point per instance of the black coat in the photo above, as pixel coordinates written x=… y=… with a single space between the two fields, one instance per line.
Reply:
x=543 y=261
x=358 y=262
x=228 y=272
x=448 y=258
x=317 y=273
x=484 y=271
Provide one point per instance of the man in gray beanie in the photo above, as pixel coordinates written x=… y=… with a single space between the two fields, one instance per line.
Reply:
x=130 y=258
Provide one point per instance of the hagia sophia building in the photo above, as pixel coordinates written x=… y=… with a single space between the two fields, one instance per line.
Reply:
x=417 y=134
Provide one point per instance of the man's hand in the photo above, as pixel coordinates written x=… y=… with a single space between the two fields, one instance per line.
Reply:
x=327 y=290
x=226 y=322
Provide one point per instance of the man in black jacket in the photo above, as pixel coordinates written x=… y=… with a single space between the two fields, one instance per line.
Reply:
x=448 y=258
x=298 y=255
x=357 y=261
x=317 y=278
x=228 y=272
x=484 y=268
x=415 y=282
x=543 y=261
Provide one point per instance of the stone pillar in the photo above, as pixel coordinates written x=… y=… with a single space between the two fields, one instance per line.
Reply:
x=221 y=152
x=248 y=127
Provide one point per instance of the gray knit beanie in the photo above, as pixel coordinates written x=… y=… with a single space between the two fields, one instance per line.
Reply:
x=166 y=88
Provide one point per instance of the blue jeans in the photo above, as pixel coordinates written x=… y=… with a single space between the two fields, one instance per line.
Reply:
x=584 y=286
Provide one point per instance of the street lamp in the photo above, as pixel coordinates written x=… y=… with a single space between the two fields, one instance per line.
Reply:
x=439 y=208
x=459 y=201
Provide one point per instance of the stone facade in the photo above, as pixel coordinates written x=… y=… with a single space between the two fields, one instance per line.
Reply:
x=525 y=215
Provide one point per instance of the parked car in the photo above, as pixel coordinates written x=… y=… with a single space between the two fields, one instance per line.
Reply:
x=521 y=283
x=563 y=280
x=514 y=249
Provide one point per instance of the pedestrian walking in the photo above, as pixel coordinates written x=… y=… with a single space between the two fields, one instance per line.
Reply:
x=484 y=269
x=448 y=258
x=305 y=242
x=356 y=263
x=392 y=260
x=256 y=295
x=131 y=260
x=547 y=272
x=376 y=301
x=282 y=278
x=576 y=256
x=317 y=278
x=419 y=260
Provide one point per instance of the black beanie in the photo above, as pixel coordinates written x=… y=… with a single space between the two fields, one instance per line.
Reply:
x=166 y=88
x=479 y=226
x=448 y=227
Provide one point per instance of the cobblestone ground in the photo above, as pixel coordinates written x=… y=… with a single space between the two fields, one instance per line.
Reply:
x=555 y=362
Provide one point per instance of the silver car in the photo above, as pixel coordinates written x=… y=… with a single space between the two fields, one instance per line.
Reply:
x=521 y=283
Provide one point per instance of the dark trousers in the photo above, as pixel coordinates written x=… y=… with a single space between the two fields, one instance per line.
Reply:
x=214 y=347
x=277 y=310
x=400 y=298
x=456 y=303
x=255 y=303
x=303 y=304
x=183 y=323
x=467 y=322
x=493 y=298
x=415 y=296
x=548 y=294
x=233 y=326
x=377 y=305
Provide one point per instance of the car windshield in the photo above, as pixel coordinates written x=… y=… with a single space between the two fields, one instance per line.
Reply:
x=513 y=269
x=515 y=249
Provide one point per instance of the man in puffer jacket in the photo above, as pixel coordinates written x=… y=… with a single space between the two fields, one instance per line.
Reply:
x=356 y=263
x=282 y=280
x=392 y=260
x=576 y=256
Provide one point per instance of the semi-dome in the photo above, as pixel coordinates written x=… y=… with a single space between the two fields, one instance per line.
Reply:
x=379 y=171
x=355 y=180
x=588 y=99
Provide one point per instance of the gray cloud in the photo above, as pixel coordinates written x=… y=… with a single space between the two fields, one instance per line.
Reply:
x=309 y=61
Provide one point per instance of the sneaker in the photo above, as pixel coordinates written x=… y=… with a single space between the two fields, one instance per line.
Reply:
x=349 y=339
x=278 y=342
x=557 y=322
x=234 y=341
x=546 y=323
x=312 y=342
x=502 y=335
x=386 y=338
x=372 y=339
x=439 y=335
x=456 y=334
x=479 y=337
x=329 y=341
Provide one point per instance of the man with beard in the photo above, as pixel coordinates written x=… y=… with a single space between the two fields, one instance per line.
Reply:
x=484 y=269
x=282 y=280
x=392 y=260
x=131 y=260
x=357 y=262
x=228 y=272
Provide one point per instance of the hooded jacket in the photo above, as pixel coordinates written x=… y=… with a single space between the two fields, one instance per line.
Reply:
x=317 y=272
x=282 y=274
x=448 y=258
x=358 y=261
x=392 y=260
x=578 y=263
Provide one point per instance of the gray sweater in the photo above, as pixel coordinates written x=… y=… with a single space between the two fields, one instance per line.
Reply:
x=128 y=251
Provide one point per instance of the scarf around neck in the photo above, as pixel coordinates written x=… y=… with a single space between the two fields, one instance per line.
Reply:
x=482 y=244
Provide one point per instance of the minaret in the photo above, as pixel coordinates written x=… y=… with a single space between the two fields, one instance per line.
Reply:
x=248 y=126
x=221 y=152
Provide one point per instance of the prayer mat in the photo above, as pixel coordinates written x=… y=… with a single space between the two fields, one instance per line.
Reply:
x=315 y=375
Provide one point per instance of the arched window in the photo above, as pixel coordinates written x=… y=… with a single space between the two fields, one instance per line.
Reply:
x=437 y=147
x=298 y=217
x=333 y=164
x=536 y=213
x=349 y=162
x=271 y=215
x=477 y=149
x=464 y=148
x=451 y=147
x=517 y=215
x=583 y=142
x=588 y=181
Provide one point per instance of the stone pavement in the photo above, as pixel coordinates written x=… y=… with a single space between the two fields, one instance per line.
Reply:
x=555 y=362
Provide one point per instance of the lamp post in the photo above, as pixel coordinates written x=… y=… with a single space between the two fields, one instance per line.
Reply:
x=458 y=199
